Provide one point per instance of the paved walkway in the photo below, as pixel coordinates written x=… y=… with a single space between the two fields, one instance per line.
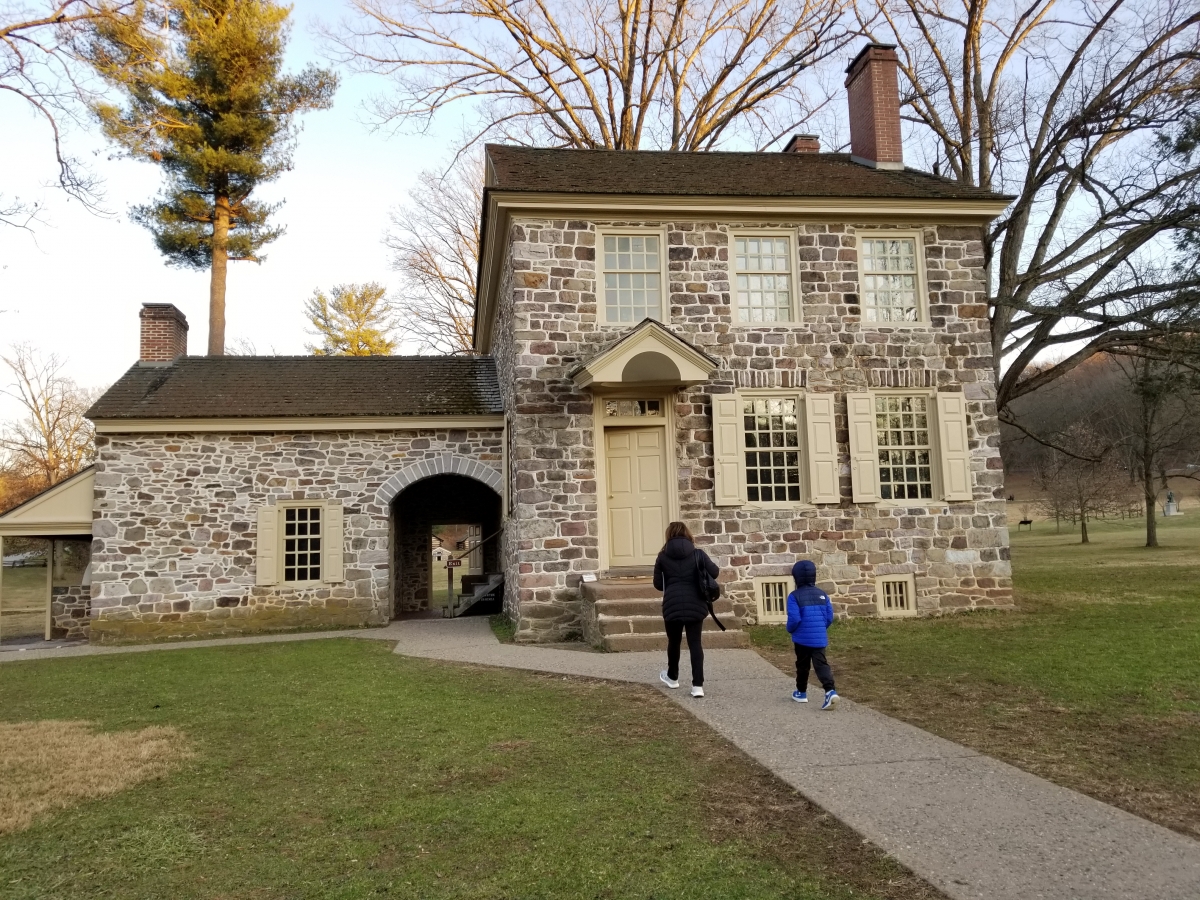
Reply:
x=969 y=824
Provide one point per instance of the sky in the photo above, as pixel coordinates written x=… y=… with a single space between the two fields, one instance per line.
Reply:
x=75 y=285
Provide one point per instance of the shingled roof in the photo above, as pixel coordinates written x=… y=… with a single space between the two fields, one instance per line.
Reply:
x=664 y=173
x=213 y=387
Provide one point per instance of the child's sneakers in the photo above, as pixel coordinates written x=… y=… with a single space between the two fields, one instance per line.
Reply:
x=667 y=680
x=800 y=696
x=831 y=699
x=697 y=691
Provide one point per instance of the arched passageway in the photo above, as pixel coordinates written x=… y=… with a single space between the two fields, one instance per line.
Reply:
x=443 y=499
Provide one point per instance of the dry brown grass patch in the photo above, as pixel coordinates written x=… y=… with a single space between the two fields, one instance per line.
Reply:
x=52 y=765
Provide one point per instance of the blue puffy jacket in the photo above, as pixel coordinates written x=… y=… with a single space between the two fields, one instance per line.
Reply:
x=809 y=611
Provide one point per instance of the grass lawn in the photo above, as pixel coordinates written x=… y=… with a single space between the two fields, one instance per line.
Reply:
x=1094 y=682
x=334 y=768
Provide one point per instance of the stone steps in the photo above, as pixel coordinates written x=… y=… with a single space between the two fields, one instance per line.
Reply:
x=625 y=613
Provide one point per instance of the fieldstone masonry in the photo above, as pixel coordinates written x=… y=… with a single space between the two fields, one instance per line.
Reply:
x=176 y=525
x=547 y=324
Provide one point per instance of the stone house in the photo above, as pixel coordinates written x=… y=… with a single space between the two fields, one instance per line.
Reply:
x=788 y=351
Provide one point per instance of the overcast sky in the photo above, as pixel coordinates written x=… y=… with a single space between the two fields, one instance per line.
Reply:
x=74 y=287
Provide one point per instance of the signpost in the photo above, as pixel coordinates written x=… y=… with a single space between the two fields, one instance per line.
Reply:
x=451 y=565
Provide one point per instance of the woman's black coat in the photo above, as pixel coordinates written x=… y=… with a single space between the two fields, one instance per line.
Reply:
x=675 y=576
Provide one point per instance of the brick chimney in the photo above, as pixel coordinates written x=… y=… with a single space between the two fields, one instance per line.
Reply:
x=874 y=97
x=164 y=333
x=803 y=143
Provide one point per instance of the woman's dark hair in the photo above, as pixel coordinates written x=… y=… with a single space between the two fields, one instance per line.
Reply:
x=679 y=530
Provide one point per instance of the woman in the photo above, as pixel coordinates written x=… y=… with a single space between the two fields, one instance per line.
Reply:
x=684 y=607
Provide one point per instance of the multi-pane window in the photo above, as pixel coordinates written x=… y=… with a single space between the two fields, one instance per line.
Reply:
x=772 y=599
x=636 y=408
x=772 y=433
x=302 y=543
x=764 y=279
x=632 y=277
x=902 y=436
x=889 y=279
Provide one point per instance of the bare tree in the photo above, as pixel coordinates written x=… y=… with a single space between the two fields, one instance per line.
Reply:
x=1159 y=418
x=1084 y=110
x=40 y=62
x=679 y=75
x=52 y=441
x=1083 y=482
x=434 y=241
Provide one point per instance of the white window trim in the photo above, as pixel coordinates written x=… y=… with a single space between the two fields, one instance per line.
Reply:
x=280 y=537
x=604 y=231
x=801 y=446
x=775 y=618
x=935 y=453
x=922 y=280
x=911 y=582
x=793 y=260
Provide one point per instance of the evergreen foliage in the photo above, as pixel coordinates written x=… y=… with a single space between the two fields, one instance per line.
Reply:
x=353 y=320
x=204 y=98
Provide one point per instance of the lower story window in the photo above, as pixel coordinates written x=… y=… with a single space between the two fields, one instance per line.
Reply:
x=772 y=599
x=895 y=595
x=902 y=435
x=302 y=543
x=772 y=450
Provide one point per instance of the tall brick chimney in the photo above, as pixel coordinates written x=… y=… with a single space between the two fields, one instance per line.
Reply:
x=874 y=99
x=164 y=333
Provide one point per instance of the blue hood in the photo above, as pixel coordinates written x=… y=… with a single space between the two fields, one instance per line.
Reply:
x=805 y=573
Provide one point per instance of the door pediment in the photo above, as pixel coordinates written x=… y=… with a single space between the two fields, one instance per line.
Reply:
x=647 y=356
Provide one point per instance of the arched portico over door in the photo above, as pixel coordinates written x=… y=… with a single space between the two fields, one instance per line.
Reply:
x=441 y=490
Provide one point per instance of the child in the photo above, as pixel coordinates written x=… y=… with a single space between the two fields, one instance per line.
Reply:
x=809 y=615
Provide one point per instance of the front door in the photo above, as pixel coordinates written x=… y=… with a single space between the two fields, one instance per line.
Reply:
x=637 y=494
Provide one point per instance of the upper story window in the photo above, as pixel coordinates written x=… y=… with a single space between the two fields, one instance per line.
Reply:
x=632 y=277
x=763 y=278
x=890 y=271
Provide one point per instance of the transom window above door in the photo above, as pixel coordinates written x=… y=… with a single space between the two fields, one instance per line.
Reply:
x=635 y=408
x=763 y=276
x=632 y=277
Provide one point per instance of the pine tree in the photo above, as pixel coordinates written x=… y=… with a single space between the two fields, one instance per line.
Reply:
x=355 y=320
x=204 y=98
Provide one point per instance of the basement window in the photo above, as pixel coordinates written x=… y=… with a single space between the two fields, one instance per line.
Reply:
x=772 y=599
x=896 y=595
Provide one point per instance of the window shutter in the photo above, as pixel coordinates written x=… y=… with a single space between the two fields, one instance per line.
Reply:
x=864 y=457
x=267 y=565
x=952 y=443
x=822 y=449
x=728 y=458
x=333 y=569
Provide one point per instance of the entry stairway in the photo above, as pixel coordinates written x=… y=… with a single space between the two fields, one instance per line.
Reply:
x=624 y=612
x=485 y=587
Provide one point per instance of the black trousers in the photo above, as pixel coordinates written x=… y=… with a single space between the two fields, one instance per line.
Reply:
x=675 y=632
x=815 y=655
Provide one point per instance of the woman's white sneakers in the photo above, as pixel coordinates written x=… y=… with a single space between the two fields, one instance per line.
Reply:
x=669 y=682
x=697 y=691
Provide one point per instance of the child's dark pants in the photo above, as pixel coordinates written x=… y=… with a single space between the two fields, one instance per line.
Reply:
x=817 y=656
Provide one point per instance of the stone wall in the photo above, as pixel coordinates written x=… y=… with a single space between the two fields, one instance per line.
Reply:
x=176 y=525
x=548 y=324
x=70 y=611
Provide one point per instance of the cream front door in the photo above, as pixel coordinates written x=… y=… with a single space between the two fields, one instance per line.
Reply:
x=636 y=466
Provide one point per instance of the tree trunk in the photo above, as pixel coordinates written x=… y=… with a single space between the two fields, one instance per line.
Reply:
x=1083 y=529
x=216 y=289
x=1151 y=496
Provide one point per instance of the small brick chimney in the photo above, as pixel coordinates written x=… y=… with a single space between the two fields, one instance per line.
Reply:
x=803 y=143
x=164 y=333
x=874 y=98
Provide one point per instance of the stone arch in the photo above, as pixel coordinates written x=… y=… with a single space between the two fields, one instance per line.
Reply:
x=442 y=464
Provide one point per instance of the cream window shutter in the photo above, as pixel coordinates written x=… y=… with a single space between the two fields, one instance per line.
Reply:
x=955 y=453
x=822 y=449
x=332 y=568
x=864 y=456
x=728 y=458
x=267 y=561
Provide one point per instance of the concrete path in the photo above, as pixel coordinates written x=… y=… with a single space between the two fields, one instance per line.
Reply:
x=975 y=827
